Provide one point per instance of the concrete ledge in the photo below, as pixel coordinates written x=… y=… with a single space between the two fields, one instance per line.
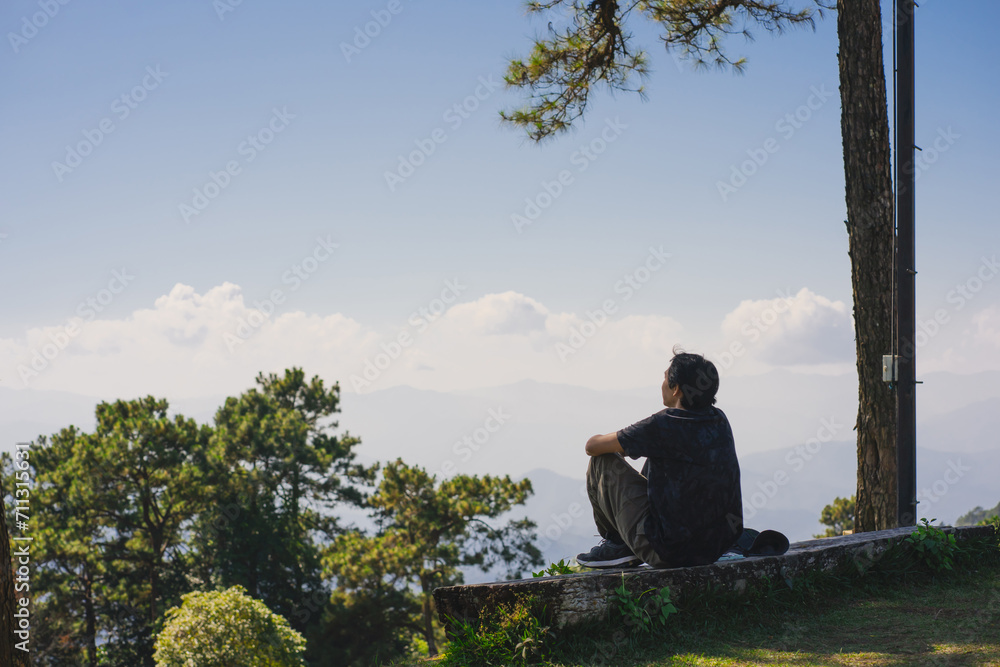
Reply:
x=572 y=598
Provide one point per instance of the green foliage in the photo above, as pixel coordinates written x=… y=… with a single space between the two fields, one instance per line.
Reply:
x=109 y=515
x=593 y=47
x=63 y=526
x=148 y=507
x=276 y=472
x=977 y=516
x=224 y=629
x=648 y=610
x=555 y=569
x=839 y=516
x=506 y=634
x=933 y=547
x=364 y=629
x=768 y=612
x=992 y=521
x=427 y=531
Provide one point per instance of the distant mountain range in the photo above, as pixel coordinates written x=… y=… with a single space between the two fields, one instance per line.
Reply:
x=551 y=421
x=949 y=485
x=538 y=430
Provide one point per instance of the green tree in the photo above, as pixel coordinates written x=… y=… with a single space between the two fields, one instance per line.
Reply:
x=427 y=530
x=145 y=472
x=864 y=124
x=277 y=472
x=227 y=629
x=108 y=520
x=977 y=515
x=839 y=517
x=67 y=535
x=128 y=518
x=371 y=623
x=596 y=49
x=61 y=638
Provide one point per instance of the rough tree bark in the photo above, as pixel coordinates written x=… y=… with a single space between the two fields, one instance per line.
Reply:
x=867 y=171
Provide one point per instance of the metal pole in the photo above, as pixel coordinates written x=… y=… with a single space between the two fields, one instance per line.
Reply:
x=906 y=404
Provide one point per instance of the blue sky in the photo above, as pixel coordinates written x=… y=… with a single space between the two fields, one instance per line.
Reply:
x=225 y=76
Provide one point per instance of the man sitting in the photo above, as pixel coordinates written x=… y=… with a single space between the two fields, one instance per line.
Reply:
x=686 y=507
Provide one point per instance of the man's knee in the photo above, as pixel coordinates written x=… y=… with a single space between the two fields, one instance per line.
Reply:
x=608 y=469
x=601 y=464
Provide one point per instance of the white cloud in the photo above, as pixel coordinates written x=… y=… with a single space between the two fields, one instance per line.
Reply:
x=959 y=341
x=507 y=313
x=806 y=329
x=190 y=344
x=988 y=326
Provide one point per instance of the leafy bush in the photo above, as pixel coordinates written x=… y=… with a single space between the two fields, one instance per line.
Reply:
x=977 y=515
x=839 y=516
x=555 y=569
x=226 y=629
x=507 y=634
x=643 y=612
x=933 y=547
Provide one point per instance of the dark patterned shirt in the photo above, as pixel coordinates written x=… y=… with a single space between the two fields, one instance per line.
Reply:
x=693 y=483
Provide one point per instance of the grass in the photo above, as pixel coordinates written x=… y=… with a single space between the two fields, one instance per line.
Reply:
x=897 y=614
x=953 y=620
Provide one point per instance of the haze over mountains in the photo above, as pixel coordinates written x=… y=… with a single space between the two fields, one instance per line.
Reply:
x=796 y=426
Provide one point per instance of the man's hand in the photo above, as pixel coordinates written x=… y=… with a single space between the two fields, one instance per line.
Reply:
x=604 y=444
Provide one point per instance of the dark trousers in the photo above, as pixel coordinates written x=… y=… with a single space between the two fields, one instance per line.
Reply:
x=618 y=495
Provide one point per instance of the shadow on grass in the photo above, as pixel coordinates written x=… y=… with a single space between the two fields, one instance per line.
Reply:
x=892 y=618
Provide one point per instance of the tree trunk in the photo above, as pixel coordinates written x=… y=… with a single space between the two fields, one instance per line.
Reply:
x=867 y=171
x=428 y=619
x=297 y=537
x=90 y=617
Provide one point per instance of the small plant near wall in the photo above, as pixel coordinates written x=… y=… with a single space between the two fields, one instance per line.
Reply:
x=933 y=547
x=555 y=569
x=507 y=634
x=646 y=611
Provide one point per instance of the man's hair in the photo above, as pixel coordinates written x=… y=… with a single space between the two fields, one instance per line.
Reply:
x=697 y=377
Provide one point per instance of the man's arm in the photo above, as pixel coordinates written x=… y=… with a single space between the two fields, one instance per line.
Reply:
x=604 y=444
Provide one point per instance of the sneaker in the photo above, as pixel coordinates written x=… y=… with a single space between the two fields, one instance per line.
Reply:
x=608 y=554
